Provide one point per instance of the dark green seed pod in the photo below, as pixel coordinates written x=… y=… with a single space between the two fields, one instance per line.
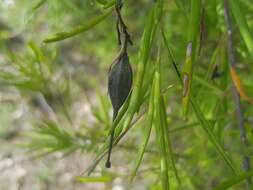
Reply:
x=119 y=87
x=120 y=82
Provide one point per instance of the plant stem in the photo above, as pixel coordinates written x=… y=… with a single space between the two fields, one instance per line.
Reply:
x=239 y=113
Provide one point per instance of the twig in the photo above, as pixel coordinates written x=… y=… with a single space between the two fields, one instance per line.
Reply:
x=239 y=113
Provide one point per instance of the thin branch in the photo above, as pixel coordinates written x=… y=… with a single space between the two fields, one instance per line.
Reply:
x=239 y=113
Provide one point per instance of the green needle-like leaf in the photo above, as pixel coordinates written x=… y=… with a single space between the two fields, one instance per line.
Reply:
x=147 y=132
x=204 y=123
x=242 y=25
x=160 y=133
x=101 y=179
x=80 y=29
x=234 y=180
x=194 y=29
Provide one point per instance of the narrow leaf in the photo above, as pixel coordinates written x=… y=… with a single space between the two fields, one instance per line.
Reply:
x=38 y=4
x=80 y=29
x=160 y=133
x=167 y=139
x=242 y=25
x=208 y=129
x=101 y=179
x=193 y=34
x=147 y=132
x=204 y=123
x=234 y=180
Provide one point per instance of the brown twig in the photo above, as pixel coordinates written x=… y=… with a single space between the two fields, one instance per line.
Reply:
x=239 y=113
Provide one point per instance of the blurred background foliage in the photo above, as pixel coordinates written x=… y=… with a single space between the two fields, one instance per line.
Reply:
x=55 y=112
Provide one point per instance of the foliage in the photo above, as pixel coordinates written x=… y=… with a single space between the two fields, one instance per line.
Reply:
x=177 y=130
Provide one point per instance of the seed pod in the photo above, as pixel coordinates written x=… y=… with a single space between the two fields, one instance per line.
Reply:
x=119 y=86
x=120 y=82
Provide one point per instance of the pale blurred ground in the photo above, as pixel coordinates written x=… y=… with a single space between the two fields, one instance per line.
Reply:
x=19 y=171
